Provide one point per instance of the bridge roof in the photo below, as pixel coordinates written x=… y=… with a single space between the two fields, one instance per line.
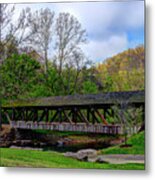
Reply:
x=71 y=100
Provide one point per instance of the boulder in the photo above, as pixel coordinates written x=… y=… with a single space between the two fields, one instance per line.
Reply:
x=101 y=159
x=90 y=153
x=83 y=155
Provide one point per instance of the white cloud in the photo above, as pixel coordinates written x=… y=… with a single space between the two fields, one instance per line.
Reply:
x=100 y=50
x=102 y=19
x=107 y=23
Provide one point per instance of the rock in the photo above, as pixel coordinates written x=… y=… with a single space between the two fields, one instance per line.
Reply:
x=15 y=147
x=92 y=159
x=63 y=141
x=101 y=159
x=42 y=144
x=5 y=143
x=26 y=142
x=91 y=153
x=83 y=155
x=60 y=143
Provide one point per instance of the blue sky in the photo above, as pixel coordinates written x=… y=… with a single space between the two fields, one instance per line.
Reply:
x=111 y=26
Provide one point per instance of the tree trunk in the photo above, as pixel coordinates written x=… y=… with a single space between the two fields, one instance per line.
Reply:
x=46 y=63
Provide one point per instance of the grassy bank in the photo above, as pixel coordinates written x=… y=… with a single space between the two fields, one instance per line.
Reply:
x=33 y=158
x=138 y=146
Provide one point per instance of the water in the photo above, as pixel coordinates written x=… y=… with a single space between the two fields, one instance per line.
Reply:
x=63 y=148
x=75 y=148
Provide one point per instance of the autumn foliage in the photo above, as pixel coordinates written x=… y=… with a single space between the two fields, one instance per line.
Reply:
x=123 y=72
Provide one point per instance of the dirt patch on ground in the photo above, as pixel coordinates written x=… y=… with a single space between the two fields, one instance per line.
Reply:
x=123 y=158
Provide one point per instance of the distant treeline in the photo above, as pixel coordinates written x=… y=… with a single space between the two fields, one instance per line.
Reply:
x=22 y=76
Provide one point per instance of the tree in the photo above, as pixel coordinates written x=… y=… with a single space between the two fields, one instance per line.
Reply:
x=68 y=55
x=5 y=20
x=40 y=25
x=89 y=87
x=18 y=74
x=130 y=117
x=12 y=34
x=11 y=46
x=124 y=71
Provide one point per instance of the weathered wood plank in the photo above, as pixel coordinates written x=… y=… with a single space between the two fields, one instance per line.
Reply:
x=63 y=126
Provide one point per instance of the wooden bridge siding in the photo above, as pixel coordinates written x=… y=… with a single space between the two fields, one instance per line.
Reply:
x=81 y=127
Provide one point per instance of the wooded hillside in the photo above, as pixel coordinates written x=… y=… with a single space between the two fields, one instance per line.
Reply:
x=123 y=72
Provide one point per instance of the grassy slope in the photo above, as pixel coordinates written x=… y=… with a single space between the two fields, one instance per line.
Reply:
x=138 y=146
x=33 y=158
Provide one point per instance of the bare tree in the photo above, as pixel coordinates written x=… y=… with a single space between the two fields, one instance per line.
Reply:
x=5 y=22
x=75 y=65
x=40 y=25
x=12 y=31
x=125 y=113
x=69 y=37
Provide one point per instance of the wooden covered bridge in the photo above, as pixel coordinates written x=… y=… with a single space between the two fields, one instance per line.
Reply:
x=85 y=113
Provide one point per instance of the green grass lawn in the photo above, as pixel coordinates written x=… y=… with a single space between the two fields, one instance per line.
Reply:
x=50 y=159
x=138 y=146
